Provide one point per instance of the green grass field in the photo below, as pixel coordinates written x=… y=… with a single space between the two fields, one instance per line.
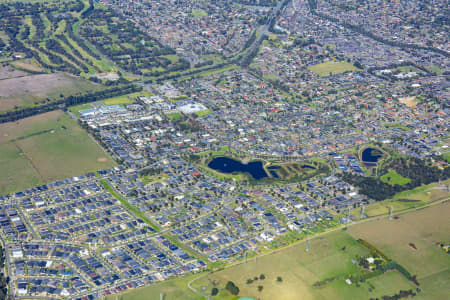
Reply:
x=393 y=177
x=423 y=228
x=203 y=113
x=175 y=289
x=174 y=116
x=199 y=13
x=332 y=68
x=299 y=271
x=46 y=148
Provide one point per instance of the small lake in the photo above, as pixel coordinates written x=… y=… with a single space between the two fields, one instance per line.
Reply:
x=308 y=167
x=228 y=165
x=370 y=156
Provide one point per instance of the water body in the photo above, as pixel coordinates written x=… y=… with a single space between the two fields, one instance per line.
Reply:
x=274 y=174
x=370 y=156
x=308 y=167
x=228 y=165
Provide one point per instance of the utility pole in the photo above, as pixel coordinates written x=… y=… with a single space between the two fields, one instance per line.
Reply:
x=391 y=211
x=307 y=245
x=363 y=215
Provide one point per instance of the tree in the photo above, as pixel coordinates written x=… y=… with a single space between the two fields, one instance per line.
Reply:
x=262 y=277
x=260 y=288
x=232 y=288
x=214 y=291
x=279 y=279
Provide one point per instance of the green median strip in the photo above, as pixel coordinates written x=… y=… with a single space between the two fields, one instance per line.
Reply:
x=186 y=249
x=130 y=207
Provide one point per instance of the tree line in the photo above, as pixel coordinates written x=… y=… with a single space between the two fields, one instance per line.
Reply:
x=14 y=115
x=4 y=280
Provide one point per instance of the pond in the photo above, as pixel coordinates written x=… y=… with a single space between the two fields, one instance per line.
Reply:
x=228 y=165
x=370 y=156
x=308 y=167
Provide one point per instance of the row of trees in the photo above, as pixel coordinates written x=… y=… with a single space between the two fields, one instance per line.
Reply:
x=4 y=280
x=14 y=115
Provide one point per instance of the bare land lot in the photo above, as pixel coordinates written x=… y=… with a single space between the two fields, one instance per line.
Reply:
x=27 y=65
x=27 y=90
x=45 y=148
x=9 y=72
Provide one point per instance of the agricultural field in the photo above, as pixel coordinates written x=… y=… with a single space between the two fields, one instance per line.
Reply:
x=45 y=148
x=171 y=290
x=333 y=68
x=411 y=240
x=9 y=72
x=29 y=90
x=330 y=258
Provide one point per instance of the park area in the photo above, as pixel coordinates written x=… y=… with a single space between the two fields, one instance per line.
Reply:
x=45 y=148
x=333 y=68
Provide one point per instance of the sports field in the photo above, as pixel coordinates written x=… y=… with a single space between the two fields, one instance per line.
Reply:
x=45 y=148
x=332 y=68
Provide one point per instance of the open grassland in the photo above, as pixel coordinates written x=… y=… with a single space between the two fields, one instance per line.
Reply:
x=332 y=68
x=299 y=271
x=175 y=289
x=414 y=198
x=27 y=90
x=393 y=177
x=422 y=228
x=46 y=148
